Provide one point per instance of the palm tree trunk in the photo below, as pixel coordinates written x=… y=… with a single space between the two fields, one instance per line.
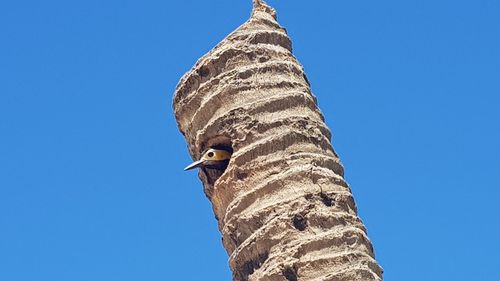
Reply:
x=283 y=207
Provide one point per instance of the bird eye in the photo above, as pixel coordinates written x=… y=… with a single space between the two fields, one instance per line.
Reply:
x=210 y=154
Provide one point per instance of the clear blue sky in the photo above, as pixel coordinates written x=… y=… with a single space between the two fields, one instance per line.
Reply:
x=91 y=179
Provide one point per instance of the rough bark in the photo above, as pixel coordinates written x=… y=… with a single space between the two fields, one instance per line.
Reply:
x=283 y=207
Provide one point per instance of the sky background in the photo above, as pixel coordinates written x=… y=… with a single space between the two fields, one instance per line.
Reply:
x=91 y=179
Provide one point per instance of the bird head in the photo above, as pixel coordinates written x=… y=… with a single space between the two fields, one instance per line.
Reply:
x=213 y=158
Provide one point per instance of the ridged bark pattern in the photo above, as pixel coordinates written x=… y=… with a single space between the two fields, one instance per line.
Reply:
x=283 y=207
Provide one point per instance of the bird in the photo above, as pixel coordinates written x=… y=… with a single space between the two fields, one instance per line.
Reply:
x=213 y=158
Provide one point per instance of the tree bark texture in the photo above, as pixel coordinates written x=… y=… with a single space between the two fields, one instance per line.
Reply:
x=283 y=207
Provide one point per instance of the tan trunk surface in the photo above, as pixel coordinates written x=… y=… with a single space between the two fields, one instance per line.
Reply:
x=283 y=207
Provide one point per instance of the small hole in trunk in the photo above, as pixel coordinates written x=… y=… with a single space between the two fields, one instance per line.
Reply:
x=250 y=266
x=290 y=273
x=203 y=71
x=299 y=222
x=327 y=199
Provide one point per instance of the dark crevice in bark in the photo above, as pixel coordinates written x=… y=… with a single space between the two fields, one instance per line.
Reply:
x=241 y=175
x=290 y=273
x=203 y=71
x=299 y=222
x=326 y=199
x=249 y=267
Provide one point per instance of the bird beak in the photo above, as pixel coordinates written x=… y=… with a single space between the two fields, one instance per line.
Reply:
x=194 y=165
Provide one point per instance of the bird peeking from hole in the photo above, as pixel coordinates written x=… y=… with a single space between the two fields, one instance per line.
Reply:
x=216 y=158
